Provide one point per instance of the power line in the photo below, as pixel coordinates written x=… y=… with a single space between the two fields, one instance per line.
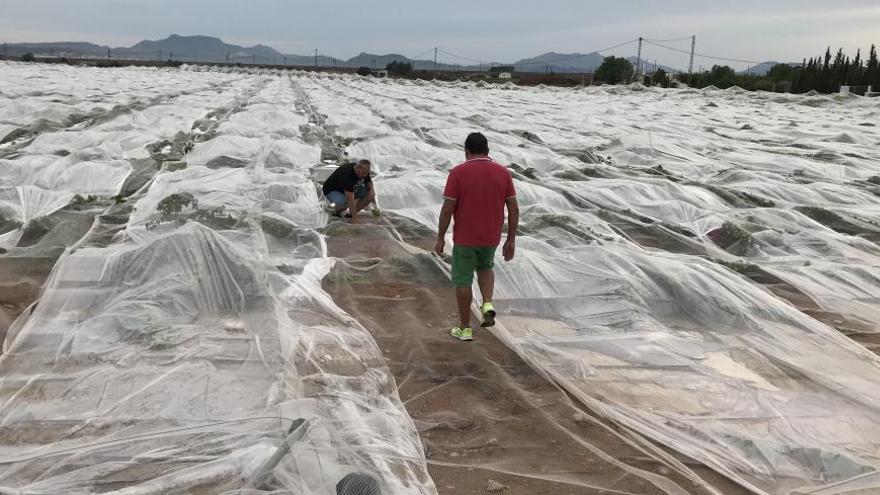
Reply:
x=547 y=62
x=461 y=57
x=702 y=55
x=429 y=50
x=671 y=40
x=572 y=57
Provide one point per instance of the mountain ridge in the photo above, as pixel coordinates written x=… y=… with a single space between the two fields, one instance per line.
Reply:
x=204 y=48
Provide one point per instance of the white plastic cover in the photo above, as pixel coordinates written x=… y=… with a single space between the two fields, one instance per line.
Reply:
x=638 y=210
x=688 y=263
x=196 y=352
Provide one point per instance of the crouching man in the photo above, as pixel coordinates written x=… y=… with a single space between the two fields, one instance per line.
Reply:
x=350 y=188
x=475 y=196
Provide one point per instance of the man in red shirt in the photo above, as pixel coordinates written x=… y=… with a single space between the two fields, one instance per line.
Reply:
x=475 y=196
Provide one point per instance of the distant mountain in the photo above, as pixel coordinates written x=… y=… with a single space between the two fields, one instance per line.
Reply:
x=560 y=62
x=381 y=61
x=60 y=49
x=375 y=61
x=211 y=49
x=201 y=48
x=204 y=48
x=572 y=62
x=764 y=68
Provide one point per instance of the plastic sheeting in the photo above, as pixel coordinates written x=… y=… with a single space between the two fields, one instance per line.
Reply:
x=673 y=256
x=195 y=350
x=668 y=240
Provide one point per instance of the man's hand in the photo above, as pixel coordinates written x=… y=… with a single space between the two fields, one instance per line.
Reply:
x=440 y=246
x=509 y=249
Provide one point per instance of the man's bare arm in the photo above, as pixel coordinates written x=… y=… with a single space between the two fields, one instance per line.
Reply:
x=445 y=219
x=371 y=197
x=512 y=226
x=352 y=203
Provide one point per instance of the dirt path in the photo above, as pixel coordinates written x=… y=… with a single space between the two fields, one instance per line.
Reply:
x=488 y=421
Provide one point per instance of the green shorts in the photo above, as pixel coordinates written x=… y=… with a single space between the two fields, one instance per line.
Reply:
x=466 y=260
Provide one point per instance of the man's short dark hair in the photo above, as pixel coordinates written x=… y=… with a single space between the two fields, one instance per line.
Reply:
x=476 y=144
x=362 y=162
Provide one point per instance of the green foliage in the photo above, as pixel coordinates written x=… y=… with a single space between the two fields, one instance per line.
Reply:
x=764 y=85
x=615 y=70
x=722 y=76
x=661 y=78
x=7 y=225
x=172 y=206
x=562 y=222
x=780 y=72
x=80 y=200
x=34 y=231
x=399 y=68
x=529 y=172
x=659 y=171
x=28 y=57
x=820 y=215
x=757 y=200
x=823 y=74
x=364 y=71
x=731 y=234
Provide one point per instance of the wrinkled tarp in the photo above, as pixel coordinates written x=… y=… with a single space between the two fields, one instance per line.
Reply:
x=624 y=289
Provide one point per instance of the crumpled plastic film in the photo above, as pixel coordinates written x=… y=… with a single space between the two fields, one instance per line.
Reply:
x=195 y=350
x=712 y=253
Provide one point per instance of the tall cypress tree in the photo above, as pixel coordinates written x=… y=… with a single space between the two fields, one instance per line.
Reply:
x=855 y=70
x=872 y=71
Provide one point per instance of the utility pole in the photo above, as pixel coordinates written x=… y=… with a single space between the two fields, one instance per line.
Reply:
x=5 y=51
x=639 y=58
x=171 y=56
x=285 y=60
x=693 y=45
x=435 y=58
x=316 y=59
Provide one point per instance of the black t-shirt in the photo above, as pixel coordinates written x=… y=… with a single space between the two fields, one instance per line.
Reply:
x=344 y=179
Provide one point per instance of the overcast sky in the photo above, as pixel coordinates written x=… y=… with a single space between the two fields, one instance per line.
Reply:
x=489 y=30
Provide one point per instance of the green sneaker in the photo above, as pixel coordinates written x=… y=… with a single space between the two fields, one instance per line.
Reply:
x=488 y=311
x=463 y=334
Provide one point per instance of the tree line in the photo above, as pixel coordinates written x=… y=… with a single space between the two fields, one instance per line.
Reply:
x=823 y=74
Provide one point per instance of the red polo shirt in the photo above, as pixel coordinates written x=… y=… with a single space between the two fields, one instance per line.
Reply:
x=479 y=187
